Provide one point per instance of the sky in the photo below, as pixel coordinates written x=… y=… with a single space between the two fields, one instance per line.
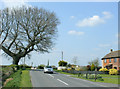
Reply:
x=87 y=30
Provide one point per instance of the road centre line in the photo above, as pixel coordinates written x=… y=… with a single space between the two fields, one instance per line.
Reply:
x=62 y=82
x=51 y=75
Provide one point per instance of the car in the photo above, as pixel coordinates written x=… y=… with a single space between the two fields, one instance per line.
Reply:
x=48 y=69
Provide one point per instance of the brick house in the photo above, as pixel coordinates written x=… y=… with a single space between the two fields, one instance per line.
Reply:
x=111 y=60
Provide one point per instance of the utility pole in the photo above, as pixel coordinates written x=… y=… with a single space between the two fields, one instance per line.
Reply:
x=62 y=55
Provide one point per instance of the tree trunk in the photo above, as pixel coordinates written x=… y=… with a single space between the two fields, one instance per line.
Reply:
x=16 y=60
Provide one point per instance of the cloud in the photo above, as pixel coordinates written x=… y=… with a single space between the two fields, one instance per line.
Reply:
x=14 y=3
x=104 y=45
x=72 y=17
x=94 y=20
x=73 y=32
x=107 y=15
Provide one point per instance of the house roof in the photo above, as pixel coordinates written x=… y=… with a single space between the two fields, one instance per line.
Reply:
x=112 y=54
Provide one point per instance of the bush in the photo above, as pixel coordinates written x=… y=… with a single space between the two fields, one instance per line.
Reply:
x=62 y=63
x=103 y=69
x=113 y=72
x=69 y=69
x=88 y=67
x=77 y=68
x=41 y=66
x=92 y=67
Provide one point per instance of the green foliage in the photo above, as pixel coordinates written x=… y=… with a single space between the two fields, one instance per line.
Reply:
x=113 y=72
x=25 y=79
x=62 y=63
x=69 y=65
x=103 y=69
x=92 y=67
x=95 y=62
x=16 y=80
x=41 y=66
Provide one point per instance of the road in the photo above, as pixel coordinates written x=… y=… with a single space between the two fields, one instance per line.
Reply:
x=39 y=79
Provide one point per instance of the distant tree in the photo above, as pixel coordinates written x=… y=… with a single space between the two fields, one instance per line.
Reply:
x=95 y=62
x=75 y=60
x=62 y=63
x=41 y=66
x=69 y=65
x=26 y=29
x=92 y=67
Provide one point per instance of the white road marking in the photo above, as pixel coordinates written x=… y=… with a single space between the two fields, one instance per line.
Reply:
x=51 y=75
x=62 y=82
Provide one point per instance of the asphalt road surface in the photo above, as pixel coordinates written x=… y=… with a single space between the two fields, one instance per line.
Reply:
x=41 y=79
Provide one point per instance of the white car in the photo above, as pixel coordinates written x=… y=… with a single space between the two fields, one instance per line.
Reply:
x=48 y=69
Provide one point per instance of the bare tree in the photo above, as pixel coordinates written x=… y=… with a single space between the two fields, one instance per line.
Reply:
x=75 y=60
x=27 y=29
x=95 y=62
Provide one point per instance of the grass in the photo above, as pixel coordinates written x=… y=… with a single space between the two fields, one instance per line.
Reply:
x=21 y=78
x=16 y=79
x=25 y=79
x=111 y=76
x=106 y=78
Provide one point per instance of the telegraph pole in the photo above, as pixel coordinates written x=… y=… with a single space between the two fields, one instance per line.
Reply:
x=62 y=55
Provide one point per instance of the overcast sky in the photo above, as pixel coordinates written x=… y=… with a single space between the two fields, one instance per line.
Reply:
x=88 y=30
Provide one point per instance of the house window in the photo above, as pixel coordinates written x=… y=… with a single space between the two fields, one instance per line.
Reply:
x=105 y=60
x=115 y=59
x=110 y=60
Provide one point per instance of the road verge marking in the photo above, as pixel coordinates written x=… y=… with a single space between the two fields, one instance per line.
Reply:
x=62 y=82
x=51 y=75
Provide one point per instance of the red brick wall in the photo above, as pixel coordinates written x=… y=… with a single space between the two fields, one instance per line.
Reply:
x=115 y=64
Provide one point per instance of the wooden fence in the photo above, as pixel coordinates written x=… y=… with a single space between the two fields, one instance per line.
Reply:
x=85 y=72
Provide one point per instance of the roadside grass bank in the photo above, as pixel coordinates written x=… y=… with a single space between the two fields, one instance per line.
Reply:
x=20 y=78
x=15 y=79
x=25 y=79
x=106 y=78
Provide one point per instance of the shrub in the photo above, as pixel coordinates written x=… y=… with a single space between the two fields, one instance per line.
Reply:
x=62 y=63
x=113 y=72
x=103 y=69
x=92 y=67
x=69 y=69
x=41 y=66
x=77 y=68
x=88 y=67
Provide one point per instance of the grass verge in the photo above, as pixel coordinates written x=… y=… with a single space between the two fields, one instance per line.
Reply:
x=25 y=79
x=21 y=78
x=16 y=79
x=105 y=78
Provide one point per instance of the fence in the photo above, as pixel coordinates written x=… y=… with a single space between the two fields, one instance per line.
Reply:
x=85 y=72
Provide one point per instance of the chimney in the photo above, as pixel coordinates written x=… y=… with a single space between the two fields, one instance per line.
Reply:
x=111 y=50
